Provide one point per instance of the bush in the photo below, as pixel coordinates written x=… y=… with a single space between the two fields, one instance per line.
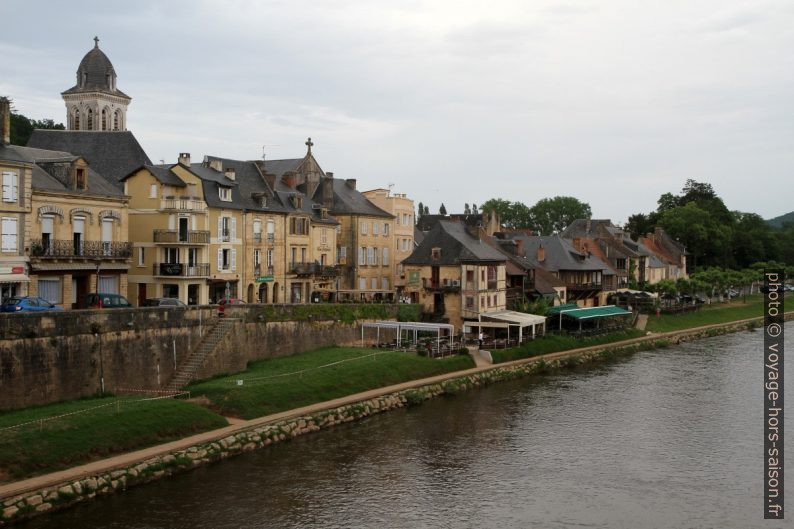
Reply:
x=463 y=351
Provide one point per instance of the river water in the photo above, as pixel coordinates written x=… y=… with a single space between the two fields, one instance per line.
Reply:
x=666 y=438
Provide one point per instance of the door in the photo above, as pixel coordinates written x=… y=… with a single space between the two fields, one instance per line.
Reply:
x=438 y=303
x=141 y=294
x=80 y=286
x=107 y=236
x=434 y=277
x=46 y=234
x=183 y=226
x=78 y=228
x=192 y=294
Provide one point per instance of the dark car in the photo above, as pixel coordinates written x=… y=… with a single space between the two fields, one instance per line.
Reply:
x=106 y=301
x=27 y=304
x=163 y=302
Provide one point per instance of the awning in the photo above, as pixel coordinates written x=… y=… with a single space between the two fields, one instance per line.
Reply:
x=519 y=318
x=14 y=278
x=485 y=325
x=596 y=312
x=559 y=308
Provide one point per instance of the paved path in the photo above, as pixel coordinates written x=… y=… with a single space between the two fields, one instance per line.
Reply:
x=132 y=458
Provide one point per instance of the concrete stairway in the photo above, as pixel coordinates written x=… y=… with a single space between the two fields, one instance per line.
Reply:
x=187 y=371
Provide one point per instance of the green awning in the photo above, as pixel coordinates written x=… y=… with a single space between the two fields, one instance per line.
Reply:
x=596 y=312
x=559 y=308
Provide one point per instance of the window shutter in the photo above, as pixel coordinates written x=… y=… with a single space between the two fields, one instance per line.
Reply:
x=234 y=260
x=220 y=228
x=6 y=187
x=14 y=187
x=220 y=259
x=234 y=227
x=385 y=255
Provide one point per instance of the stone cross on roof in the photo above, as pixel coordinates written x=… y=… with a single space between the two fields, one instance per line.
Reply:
x=309 y=144
x=96 y=41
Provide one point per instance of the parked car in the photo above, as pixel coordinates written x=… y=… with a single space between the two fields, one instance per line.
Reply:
x=106 y=301
x=163 y=302
x=27 y=304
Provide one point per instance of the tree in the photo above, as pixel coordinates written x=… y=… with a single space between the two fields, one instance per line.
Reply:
x=704 y=237
x=513 y=215
x=421 y=209
x=555 y=214
x=474 y=209
x=427 y=210
x=22 y=127
x=466 y=209
x=442 y=210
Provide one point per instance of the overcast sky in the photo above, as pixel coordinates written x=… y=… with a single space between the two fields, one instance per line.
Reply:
x=613 y=102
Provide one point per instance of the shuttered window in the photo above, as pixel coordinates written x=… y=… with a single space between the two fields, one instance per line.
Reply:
x=9 y=234
x=10 y=186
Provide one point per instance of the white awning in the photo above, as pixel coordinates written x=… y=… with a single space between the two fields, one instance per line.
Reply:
x=14 y=278
x=518 y=318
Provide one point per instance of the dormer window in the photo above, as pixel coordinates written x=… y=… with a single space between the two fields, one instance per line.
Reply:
x=225 y=193
x=297 y=201
x=263 y=202
x=435 y=253
x=79 y=178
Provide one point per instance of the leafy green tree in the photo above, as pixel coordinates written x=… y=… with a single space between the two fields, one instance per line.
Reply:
x=442 y=210
x=421 y=209
x=22 y=127
x=555 y=214
x=707 y=240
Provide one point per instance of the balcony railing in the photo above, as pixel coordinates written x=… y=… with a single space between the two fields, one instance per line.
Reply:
x=184 y=237
x=314 y=269
x=583 y=286
x=258 y=237
x=181 y=269
x=224 y=236
x=260 y=270
x=183 y=204
x=444 y=286
x=59 y=248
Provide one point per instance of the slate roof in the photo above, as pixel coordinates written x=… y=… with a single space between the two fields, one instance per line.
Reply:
x=456 y=245
x=44 y=161
x=96 y=66
x=349 y=201
x=248 y=183
x=279 y=167
x=560 y=253
x=112 y=154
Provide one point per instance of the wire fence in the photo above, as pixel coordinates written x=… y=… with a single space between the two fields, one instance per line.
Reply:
x=121 y=404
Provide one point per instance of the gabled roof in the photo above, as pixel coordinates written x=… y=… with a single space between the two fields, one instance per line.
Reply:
x=456 y=245
x=559 y=253
x=279 y=167
x=112 y=154
x=163 y=173
x=45 y=161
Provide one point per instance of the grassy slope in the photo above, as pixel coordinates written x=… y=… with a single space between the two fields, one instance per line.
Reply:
x=708 y=315
x=260 y=395
x=553 y=343
x=124 y=425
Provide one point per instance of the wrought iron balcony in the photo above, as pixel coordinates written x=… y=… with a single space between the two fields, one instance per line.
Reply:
x=261 y=270
x=441 y=286
x=258 y=237
x=181 y=269
x=70 y=249
x=584 y=286
x=182 y=237
x=314 y=269
x=182 y=204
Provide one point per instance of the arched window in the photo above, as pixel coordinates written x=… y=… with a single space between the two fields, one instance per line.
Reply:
x=89 y=117
x=76 y=118
x=105 y=119
x=117 y=120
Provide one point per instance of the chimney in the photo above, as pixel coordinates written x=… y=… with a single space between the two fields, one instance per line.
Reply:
x=230 y=173
x=351 y=183
x=184 y=158
x=217 y=165
x=518 y=248
x=328 y=190
x=541 y=253
x=5 y=121
x=289 y=179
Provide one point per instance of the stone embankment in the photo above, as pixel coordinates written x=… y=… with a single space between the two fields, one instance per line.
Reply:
x=23 y=505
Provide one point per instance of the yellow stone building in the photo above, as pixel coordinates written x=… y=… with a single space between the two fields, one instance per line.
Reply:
x=455 y=276
x=402 y=208
x=78 y=231
x=16 y=169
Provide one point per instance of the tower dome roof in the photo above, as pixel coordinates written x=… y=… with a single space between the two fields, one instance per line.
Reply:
x=96 y=73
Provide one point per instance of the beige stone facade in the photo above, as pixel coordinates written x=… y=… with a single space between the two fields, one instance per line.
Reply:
x=366 y=251
x=402 y=208
x=15 y=207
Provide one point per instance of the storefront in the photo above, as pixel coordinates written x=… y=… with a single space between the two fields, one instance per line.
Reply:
x=13 y=280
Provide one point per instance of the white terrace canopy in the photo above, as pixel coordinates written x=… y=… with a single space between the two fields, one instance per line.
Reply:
x=505 y=319
x=413 y=328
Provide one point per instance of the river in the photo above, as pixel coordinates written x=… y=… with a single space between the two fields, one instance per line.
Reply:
x=666 y=438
